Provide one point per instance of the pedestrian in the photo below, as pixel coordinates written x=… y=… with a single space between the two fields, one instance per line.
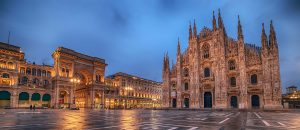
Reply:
x=30 y=107
x=33 y=107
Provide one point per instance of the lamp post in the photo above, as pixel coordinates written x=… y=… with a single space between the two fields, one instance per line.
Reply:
x=74 y=81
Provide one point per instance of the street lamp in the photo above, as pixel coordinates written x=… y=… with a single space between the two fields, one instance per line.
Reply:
x=74 y=81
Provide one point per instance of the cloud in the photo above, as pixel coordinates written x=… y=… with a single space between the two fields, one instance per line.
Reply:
x=132 y=35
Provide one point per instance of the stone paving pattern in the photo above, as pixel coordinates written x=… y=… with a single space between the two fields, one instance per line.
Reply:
x=146 y=119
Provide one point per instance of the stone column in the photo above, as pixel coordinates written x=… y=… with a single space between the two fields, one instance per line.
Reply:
x=92 y=97
x=56 y=96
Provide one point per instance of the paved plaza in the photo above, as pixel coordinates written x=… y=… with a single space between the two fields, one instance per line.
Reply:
x=146 y=119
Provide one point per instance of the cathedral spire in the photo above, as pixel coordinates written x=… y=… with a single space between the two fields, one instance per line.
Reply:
x=190 y=31
x=164 y=62
x=220 y=21
x=195 y=29
x=240 y=31
x=264 y=40
x=214 y=22
x=178 y=48
x=272 y=36
x=167 y=62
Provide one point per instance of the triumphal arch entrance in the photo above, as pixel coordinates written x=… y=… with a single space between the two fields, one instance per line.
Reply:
x=79 y=79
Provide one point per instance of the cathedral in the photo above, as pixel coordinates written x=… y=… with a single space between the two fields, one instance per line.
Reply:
x=217 y=71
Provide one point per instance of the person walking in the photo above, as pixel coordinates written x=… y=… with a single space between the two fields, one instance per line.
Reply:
x=33 y=107
x=30 y=107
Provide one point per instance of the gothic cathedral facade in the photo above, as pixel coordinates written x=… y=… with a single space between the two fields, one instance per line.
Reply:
x=216 y=71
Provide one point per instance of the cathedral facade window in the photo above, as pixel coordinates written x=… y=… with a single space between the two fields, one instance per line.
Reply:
x=253 y=79
x=205 y=49
x=186 y=86
x=232 y=81
x=231 y=65
x=206 y=72
x=186 y=72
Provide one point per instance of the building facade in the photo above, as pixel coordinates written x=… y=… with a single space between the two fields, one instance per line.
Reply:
x=74 y=79
x=133 y=92
x=216 y=71
x=292 y=97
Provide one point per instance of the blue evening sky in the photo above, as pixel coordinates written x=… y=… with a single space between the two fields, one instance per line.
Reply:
x=133 y=35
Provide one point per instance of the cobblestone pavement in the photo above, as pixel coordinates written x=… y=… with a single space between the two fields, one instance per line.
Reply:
x=146 y=119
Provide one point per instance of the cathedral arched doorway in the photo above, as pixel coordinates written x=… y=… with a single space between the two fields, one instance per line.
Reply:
x=174 y=103
x=207 y=100
x=233 y=102
x=24 y=99
x=186 y=103
x=255 y=101
x=4 y=99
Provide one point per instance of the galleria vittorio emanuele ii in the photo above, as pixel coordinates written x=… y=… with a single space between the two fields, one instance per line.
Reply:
x=75 y=80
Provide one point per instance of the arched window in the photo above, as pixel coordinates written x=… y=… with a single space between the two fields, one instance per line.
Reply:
x=35 y=81
x=2 y=64
x=254 y=79
x=10 y=65
x=44 y=73
x=232 y=81
x=186 y=72
x=174 y=86
x=186 y=86
x=5 y=75
x=39 y=72
x=48 y=74
x=24 y=80
x=22 y=70
x=231 y=65
x=46 y=82
x=28 y=71
x=98 y=78
x=67 y=72
x=34 y=72
x=205 y=51
x=206 y=72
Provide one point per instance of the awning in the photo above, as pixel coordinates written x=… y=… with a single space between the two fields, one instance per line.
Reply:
x=46 y=97
x=4 y=95
x=23 y=96
x=35 y=97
